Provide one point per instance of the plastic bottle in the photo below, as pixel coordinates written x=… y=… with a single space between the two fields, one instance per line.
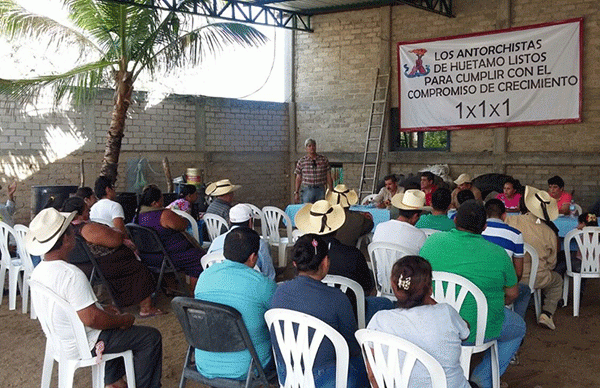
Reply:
x=572 y=209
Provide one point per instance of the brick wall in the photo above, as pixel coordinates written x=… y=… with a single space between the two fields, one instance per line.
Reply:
x=245 y=141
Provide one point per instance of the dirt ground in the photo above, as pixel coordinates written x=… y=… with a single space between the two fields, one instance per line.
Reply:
x=566 y=357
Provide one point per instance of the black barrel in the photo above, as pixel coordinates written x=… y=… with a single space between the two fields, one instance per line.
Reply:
x=129 y=201
x=54 y=196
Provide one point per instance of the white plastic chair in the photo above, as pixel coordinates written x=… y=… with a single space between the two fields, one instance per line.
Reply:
x=296 y=234
x=292 y=330
x=344 y=283
x=428 y=232
x=20 y=233
x=211 y=258
x=537 y=293
x=263 y=223
x=14 y=266
x=456 y=298
x=215 y=224
x=51 y=308
x=364 y=239
x=368 y=199
x=589 y=245
x=392 y=359
x=192 y=221
x=274 y=216
x=383 y=256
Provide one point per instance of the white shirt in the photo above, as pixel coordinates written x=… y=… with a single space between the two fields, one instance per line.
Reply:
x=401 y=233
x=437 y=329
x=70 y=283
x=105 y=210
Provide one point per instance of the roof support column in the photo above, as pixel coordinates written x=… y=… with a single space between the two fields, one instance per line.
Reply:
x=503 y=21
x=385 y=63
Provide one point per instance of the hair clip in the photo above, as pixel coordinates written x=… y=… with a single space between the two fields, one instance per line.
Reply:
x=404 y=283
x=592 y=218
x=315 y=244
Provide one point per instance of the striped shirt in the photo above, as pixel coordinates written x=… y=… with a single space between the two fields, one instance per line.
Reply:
x=313 y=171
x=506 y=236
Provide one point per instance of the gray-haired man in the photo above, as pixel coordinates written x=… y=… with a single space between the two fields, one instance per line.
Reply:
x=313 y=173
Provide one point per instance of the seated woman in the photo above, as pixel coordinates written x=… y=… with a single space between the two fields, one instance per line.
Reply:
x=187 y=196
x=306 y=294
x=510 y=197
x=185 y=253
x=436 y=328
x=132 y=281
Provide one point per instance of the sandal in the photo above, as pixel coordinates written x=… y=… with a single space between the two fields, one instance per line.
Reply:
x=153 y=313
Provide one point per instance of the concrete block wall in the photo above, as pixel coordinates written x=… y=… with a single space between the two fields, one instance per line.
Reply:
x=245 y=141
x=531 y=154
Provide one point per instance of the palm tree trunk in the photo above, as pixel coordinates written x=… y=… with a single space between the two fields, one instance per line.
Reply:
x=122 y=100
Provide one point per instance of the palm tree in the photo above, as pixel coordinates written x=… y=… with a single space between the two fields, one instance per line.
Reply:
x=118 y=43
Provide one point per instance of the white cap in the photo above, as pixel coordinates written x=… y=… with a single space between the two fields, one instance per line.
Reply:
x=240 y=213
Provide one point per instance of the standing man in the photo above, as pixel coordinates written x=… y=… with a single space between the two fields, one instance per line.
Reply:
x=556 y=189
x=383 y=200
x=8 y=210
x=52 y=236
x=427 y=186
x=313 y=173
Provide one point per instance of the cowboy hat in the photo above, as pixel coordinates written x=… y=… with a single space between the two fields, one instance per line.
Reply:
x=45 y=229
x=341 y=195
x=536 y=200
x=410 y=200
x=463 y=178
x=221 y=187
x=320 y=217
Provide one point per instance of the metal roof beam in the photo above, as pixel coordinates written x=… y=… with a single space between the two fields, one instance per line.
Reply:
x=442 y=7
x=232 y=10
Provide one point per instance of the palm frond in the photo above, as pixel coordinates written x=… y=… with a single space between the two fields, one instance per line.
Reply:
x=17 y=22
x=80 y=83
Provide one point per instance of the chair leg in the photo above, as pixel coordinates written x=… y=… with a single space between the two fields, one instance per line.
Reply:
x=13 y=277
x=495 y=359
x=25 y=295
x=537 y=302
x=576 y=294
x=98 y=375
x=47 y=369
x=129 y=369
x=565 y=295
x=2 y=278
x=282 y=257
x=465 y=359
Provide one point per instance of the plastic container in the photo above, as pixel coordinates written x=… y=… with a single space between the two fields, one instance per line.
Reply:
x=193 y=176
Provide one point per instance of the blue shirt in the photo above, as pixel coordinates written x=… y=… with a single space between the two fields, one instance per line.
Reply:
x=264 y=262
x=249 y=292
x=504 y=235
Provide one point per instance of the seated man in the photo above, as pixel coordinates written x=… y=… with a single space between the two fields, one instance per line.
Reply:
x=511 y=240
x=52 y=236
x=465 y=252
x=402 y=231
x=345 y=260
x=235 y=283
x=464 y=182
x=357 y=224
x=539 y=210
x=438 y=219
x=556 y=189
x=383 y=200
x=222 y=193
x=242 y=215
x=427 y=186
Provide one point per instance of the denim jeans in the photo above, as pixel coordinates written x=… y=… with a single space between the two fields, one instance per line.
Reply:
x=313 y=194
x=522 y=302
x=357 y=374
x=511 y=336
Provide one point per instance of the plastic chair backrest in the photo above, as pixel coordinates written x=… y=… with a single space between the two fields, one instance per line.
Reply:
x=215 y=224
x=535 y=262
x=211 y=258
x=428 y=232
x=383 y=256
x=292 y=331
x=50 y=308
x=392 y=359
x=192 y=221
x=263 y=222
x=453 y=289
x=344 y=284
x=5 y=232
x=368 y=199
x=273 y=217
x=20 y=234
x=588 y=242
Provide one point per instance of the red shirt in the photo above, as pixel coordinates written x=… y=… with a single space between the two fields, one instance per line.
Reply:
x=428 y=195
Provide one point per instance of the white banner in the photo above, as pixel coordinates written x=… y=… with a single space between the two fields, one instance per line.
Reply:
x=522 y=76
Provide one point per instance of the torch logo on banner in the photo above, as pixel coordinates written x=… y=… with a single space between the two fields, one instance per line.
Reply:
x=418 y=69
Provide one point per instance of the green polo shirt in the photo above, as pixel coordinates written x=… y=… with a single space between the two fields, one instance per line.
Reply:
x=438 y=222
x=484 y=263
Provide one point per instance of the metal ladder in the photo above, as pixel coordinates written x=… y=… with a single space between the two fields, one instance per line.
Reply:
x=375 y=132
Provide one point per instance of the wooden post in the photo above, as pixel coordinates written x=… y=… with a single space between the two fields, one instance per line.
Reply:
x=81 y=174
x=167 y=169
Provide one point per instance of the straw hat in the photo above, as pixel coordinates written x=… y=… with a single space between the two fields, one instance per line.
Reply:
x=341 y=195
x=536 y=200
x=221 y=187
x=410 y=200
x=45 y=229
x=320 y=217
x=463 y=178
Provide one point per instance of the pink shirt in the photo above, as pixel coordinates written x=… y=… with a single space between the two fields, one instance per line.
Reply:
x=564 y=198
x=512 y=205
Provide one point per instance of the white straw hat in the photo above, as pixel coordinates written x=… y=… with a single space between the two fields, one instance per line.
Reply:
x=221 y=187
x=342 y=195
x=45 y=229
x=410 y=200
x=320 y=217
x=536 y=200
